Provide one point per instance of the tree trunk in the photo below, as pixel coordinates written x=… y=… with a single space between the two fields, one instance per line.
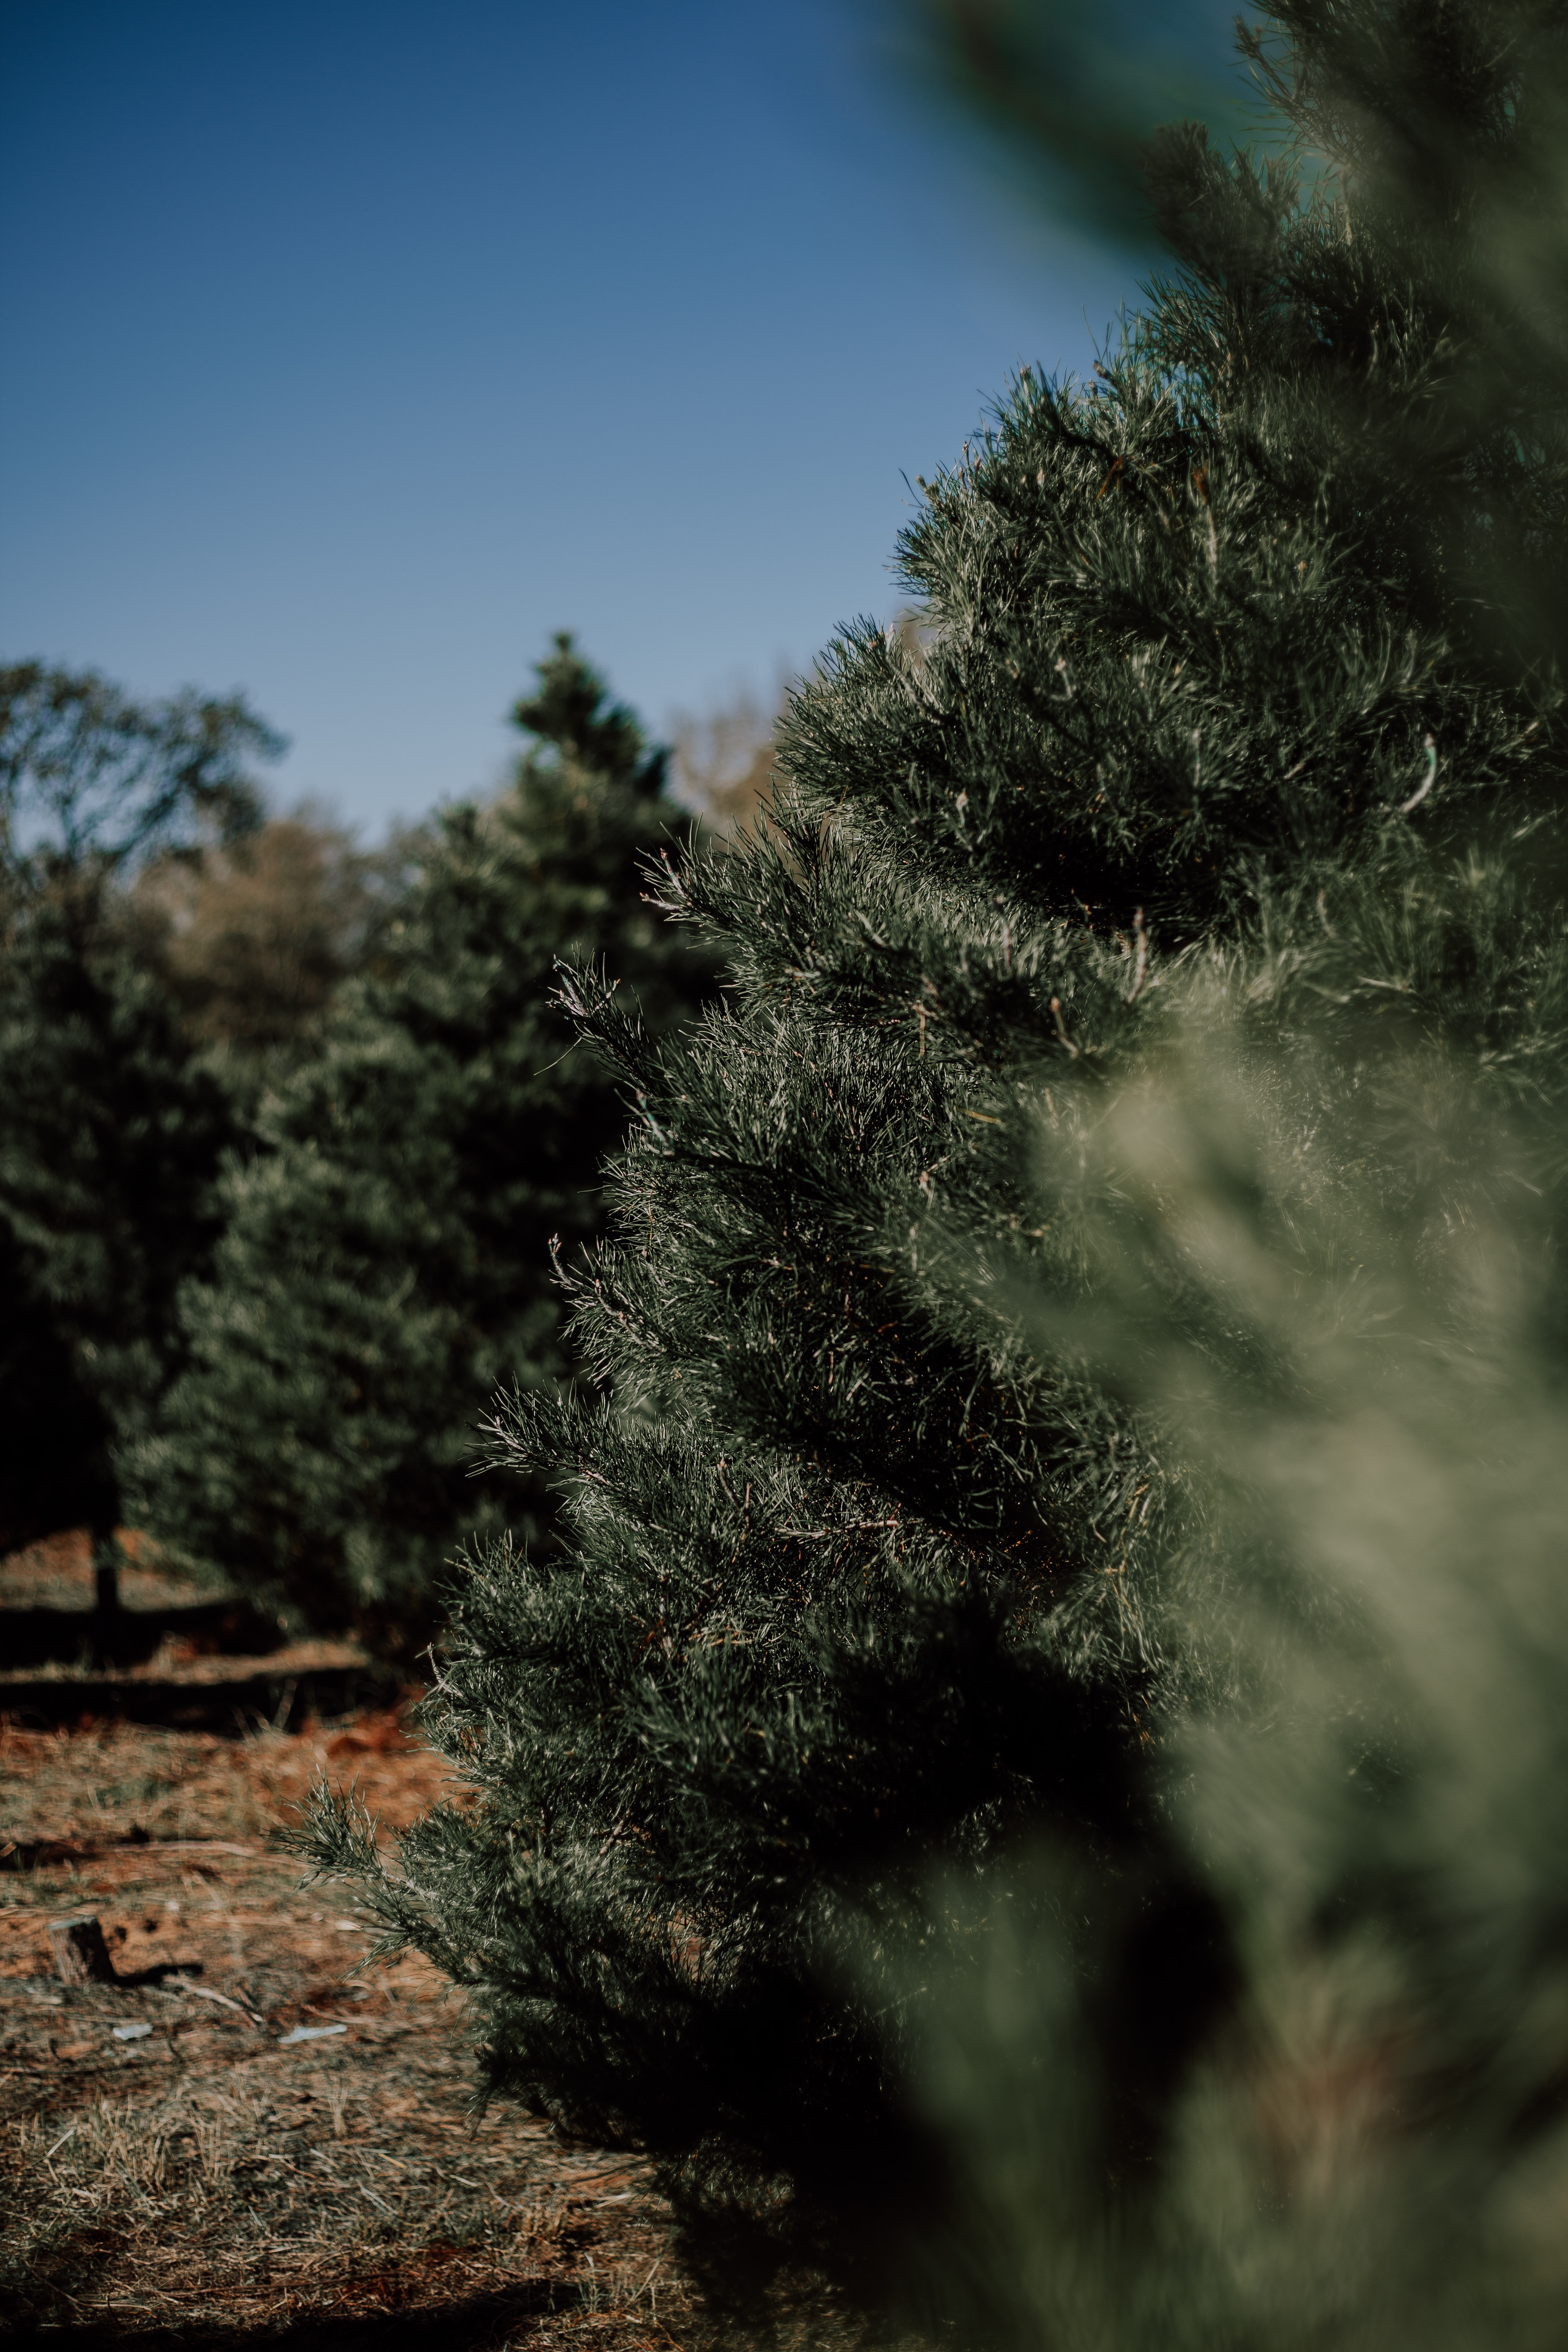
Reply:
x=106 y=1574
x=81 y=1955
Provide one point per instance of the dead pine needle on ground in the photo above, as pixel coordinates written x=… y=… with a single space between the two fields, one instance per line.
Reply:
x=183 y=2168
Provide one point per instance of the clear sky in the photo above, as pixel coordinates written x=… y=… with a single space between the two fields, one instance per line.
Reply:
x=353 y=345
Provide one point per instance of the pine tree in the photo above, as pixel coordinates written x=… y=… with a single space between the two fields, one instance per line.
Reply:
x=385 y=1263
x=1238 y=690
x=111 y=1133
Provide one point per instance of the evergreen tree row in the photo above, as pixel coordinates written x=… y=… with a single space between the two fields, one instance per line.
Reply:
x=1233 y=740
x=274 y=1229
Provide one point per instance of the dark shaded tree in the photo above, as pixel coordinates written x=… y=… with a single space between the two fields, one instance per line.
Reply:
x=111 y=1134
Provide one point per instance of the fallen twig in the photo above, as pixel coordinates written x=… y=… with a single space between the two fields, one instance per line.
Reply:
x=1141 y=964
x=180 y=1986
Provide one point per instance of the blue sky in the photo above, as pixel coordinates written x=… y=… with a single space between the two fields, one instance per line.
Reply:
x=351 y=348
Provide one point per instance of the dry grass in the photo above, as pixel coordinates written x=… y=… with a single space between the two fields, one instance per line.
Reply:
x=206 y=2177
x=112 y=1783
x=205 y=2182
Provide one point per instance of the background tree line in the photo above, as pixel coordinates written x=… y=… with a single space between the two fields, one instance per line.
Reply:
x=289 y=1127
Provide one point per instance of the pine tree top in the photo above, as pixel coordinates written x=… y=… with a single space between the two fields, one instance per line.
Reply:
x=577 y=724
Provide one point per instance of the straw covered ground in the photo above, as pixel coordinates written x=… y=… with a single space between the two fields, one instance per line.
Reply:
x=246 y=2140
x=174 y=2162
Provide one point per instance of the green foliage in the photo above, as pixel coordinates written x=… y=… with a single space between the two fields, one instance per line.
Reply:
x=111 y=1134
x=88 y=776
x=385 y=1262
x=1329 y=1276
x=1071 y=96
x=1126 y=1164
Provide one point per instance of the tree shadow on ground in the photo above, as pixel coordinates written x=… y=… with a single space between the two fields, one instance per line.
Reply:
x=129 y=1637
x=478 y=2321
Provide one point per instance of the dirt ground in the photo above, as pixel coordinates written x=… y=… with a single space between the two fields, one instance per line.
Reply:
x=174 y=2161
x=242 y=2142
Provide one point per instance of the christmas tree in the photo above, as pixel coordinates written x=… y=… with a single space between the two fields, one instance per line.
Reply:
x=1172 y=927
x=385 y=1262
